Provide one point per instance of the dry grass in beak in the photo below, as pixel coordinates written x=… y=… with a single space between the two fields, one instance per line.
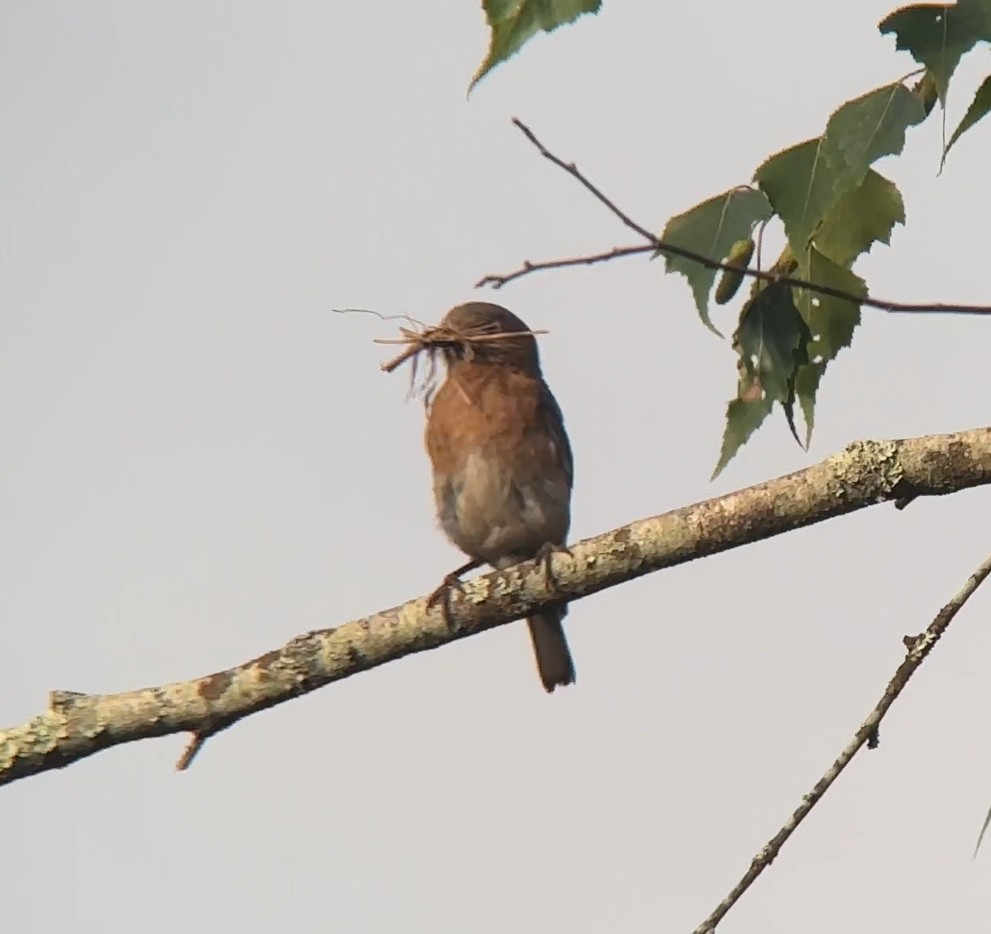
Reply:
x=431 y=340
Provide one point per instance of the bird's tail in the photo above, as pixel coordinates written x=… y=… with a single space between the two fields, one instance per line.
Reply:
x=551 y=648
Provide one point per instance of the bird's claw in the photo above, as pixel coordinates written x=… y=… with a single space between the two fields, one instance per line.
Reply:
x=544 y=556
x=442 y=595
x=450 y=582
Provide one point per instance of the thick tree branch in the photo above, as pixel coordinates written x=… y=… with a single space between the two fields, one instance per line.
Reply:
x=656 y=245
x=866 y=473
x=917 y=650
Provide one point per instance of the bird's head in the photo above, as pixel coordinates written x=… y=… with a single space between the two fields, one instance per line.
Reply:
x=486 y=333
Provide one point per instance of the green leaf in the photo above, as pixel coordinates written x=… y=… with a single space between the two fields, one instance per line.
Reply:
x=862 y=217
x=806 y=386
x=978 y=109
x=982 y=9
x=869 y=127
x=831 y=322
x=710 y=229
x=743 y=418
x=926 y=90
x=798 y=183
x=514 y=22
x=771 y=340
x=804 y=183
x=937 y=35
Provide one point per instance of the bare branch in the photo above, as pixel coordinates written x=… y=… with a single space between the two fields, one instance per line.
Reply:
x=617 y=252
x=656 y=245
x=918 y=649
x=572 y=170
x=78 y=725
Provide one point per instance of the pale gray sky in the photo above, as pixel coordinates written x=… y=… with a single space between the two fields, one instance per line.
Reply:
x=200 y=460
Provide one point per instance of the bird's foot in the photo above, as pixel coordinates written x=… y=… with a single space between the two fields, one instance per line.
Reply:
x=543 y=556
x=450 y=582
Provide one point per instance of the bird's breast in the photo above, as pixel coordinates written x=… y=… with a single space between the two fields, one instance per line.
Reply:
x=498 y=487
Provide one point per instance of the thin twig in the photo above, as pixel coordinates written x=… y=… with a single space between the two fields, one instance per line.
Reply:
x=572 y=170
x=497 y=282
x=655 y=244
x=379 y=315
x=918 y=649
x=980 y=836
x=396 y=362
x=196 y=742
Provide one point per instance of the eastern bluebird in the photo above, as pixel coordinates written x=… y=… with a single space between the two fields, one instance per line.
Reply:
x=502 y=464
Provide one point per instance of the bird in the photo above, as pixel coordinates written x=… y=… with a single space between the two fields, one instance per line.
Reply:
x=503 y=469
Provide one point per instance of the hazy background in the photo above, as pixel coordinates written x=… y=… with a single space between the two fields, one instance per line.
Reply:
x=200 y=460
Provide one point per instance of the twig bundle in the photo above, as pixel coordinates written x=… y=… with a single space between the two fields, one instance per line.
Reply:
x=431 y=340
